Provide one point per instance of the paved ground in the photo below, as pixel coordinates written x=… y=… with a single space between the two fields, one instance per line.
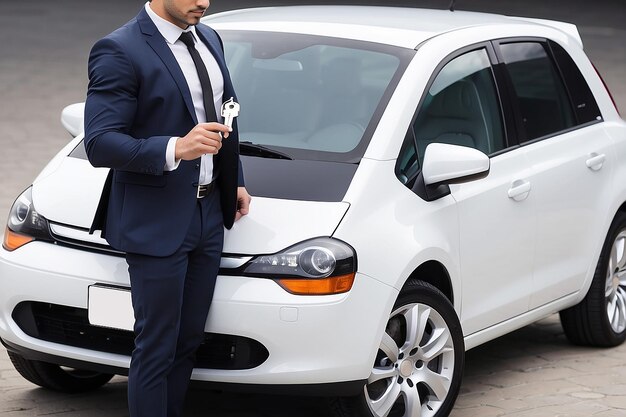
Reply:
x=532 y=372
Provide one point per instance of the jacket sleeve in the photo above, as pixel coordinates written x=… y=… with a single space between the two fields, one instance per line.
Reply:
x=110 y=109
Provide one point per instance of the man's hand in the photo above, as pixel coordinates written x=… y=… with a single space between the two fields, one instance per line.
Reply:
x=204 y=138
x=243 y=203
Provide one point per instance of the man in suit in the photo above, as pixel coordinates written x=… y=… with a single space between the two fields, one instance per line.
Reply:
x=175 y=182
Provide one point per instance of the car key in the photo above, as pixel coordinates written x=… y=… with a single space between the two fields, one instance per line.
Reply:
x=230 y=110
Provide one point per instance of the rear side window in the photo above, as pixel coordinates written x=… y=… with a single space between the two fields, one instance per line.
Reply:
x=543 y=102
x=584 y=103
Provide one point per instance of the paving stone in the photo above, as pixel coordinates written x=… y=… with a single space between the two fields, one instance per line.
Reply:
x=485 y=411
x=586 y=395
x=610 y=413
x=615 y=389
x=618 y=402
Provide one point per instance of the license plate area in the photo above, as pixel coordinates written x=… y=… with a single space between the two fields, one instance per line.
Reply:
x=110 y=307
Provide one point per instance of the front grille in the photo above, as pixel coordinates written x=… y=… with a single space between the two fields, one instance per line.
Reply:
x=70 y=326
x=83 y=243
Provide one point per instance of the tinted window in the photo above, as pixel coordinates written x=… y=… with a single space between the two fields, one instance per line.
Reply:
x=461 y=107
x=582 y=98
x=543 y=103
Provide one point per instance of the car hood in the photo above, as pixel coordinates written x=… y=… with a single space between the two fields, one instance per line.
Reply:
x=69 y=195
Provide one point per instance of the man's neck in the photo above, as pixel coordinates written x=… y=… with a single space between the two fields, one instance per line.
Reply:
x=158 y=8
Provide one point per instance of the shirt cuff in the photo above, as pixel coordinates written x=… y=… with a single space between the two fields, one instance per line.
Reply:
x=170 y=155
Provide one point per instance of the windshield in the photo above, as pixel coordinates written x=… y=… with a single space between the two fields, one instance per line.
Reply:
x=310 y=97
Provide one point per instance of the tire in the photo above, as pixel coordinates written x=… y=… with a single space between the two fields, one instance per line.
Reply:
x=600 y=318
x=419 y=364
x=57 y=378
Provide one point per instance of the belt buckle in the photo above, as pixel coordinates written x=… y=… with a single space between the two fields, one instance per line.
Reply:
x=202 y=191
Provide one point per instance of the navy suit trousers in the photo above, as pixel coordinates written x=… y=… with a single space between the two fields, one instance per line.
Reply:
x=171 y=298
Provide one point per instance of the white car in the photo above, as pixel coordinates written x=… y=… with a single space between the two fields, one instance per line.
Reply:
x=424 y=181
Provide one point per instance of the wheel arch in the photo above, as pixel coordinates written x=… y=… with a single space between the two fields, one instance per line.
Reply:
x=436 y=274
x=586 y=323
x=592 y=267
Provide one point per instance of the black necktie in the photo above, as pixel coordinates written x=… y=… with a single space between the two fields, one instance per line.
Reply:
x=205 y=82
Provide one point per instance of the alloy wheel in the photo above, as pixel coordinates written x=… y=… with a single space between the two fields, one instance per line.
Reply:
x=414 y=368
x=615 y=290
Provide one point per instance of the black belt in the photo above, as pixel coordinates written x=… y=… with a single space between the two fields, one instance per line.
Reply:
x=205 y=189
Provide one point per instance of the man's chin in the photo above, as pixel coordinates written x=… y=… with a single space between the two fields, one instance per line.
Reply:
x=195 y=18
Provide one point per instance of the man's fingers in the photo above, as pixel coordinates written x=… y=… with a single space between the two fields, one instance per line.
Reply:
x=215 y=127
x=203 y=146
x=208 y=134
x=214 y=143
x=213 y=130
x=244 y=206
x=204 y=138
x=243 y=203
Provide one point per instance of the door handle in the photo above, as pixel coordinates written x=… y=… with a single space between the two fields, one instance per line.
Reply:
x=519 y=190
x=595 y=161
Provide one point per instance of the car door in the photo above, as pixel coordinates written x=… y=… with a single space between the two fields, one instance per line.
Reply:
x=462 y=107
x=561 y=131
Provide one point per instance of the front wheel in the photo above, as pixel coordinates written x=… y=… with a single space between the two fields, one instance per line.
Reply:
x=57 y=378
x=419 y=364
x=600 y=318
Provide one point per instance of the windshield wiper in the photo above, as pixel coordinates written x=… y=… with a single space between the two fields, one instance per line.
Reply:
x=254 y=149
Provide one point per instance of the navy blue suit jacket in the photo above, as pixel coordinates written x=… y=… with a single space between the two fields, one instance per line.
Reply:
x=137 y=100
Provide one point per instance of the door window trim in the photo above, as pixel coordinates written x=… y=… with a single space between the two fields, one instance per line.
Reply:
x=416 y=184
x=507 y=120
x=501 y=95
x=507 y=85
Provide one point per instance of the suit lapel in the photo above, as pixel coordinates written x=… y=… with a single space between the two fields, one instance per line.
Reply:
x=159 y=45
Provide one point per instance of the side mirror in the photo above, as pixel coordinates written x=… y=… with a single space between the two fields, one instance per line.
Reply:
x=453 y=164
x=72 y=118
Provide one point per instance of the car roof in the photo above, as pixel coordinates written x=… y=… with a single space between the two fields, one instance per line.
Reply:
x=400 y=26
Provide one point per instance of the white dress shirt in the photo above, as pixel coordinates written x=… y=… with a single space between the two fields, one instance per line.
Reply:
x=171 y=33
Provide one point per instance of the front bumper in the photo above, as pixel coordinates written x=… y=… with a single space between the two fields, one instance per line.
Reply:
x=310 y=339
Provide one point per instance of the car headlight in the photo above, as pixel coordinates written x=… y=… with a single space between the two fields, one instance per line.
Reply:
x=320 y=266
x=24 y=224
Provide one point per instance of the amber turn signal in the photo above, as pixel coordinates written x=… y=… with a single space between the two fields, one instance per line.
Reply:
x=320 y=286
x=14 y=240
